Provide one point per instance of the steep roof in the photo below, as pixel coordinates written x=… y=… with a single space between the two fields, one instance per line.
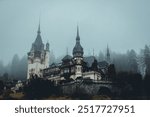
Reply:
x=78 y=50
x=89 y=60
x=103 y=64
x=67 y=58
x=38 y=44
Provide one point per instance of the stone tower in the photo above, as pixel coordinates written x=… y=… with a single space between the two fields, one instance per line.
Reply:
x=78 y=56
x=38 y=57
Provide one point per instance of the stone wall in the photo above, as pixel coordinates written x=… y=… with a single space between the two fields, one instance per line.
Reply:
x=88 y=88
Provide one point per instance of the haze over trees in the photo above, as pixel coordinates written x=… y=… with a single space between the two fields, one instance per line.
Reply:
x=128 y=62
x=16 y=69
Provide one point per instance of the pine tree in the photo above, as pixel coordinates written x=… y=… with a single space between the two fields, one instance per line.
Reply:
x=132 y=61
x=15 y=67
x=147 y=59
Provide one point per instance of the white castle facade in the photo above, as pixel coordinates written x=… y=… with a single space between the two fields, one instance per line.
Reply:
x=38 y=57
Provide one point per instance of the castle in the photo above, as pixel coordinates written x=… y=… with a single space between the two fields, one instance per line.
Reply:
x=38 y=57
x=71 y=68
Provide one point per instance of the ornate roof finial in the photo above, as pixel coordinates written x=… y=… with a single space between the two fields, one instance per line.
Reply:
x=77 y=31
x=108 y=55
x=39 y=31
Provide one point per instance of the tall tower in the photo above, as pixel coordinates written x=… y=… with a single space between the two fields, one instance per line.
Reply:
x=78 y=56
x=108 y=55
x=38 y=57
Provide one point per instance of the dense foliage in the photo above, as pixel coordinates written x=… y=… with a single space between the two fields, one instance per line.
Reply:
x=39 y=88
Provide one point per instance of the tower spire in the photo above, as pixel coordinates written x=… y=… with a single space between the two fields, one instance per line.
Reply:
x=77 y=31
x=38 y=44
x=78 y=50
x=39 y=30
x=108 y=54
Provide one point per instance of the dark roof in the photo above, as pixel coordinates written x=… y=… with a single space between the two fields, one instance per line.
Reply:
x=38 y=40
x=103 y=64
x=67 y=57
x=54 y=65
x=78 y=50
x=38 y=44
x=89 y=60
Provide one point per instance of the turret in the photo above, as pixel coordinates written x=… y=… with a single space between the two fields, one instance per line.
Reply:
x=78 y=56
x=78 y=50
x=47 y=57
x=47 y=46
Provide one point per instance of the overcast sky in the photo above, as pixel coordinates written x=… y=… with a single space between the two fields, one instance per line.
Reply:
x=122 y=24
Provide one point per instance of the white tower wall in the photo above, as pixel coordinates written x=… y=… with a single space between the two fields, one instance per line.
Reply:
x=47 y=58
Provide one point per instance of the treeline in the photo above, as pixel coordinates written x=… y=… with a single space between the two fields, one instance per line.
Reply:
x=15 y=70
x=130 y=61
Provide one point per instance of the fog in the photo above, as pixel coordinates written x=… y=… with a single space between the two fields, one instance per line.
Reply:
x=122 y=24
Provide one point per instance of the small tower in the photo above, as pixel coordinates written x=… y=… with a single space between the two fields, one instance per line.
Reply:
x=78 y=56
x=108 y=55
x=94 y=66
x=78 y=50
x=47 y=57
x=38 y=58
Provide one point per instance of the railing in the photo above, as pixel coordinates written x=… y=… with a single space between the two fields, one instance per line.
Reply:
x=79 y=82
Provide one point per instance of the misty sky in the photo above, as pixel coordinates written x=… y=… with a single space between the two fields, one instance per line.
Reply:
x=122 y=24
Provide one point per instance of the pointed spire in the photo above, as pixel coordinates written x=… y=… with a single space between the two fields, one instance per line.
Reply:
x=78 y=50
x=94 y=54
x=77 y=31
x=78 y=37
x=38 y=41
x=108 y=55
x=39 y=31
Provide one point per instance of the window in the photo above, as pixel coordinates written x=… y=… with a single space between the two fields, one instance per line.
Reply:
x=40 y=70
x=66 y=70
x=78 y=68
